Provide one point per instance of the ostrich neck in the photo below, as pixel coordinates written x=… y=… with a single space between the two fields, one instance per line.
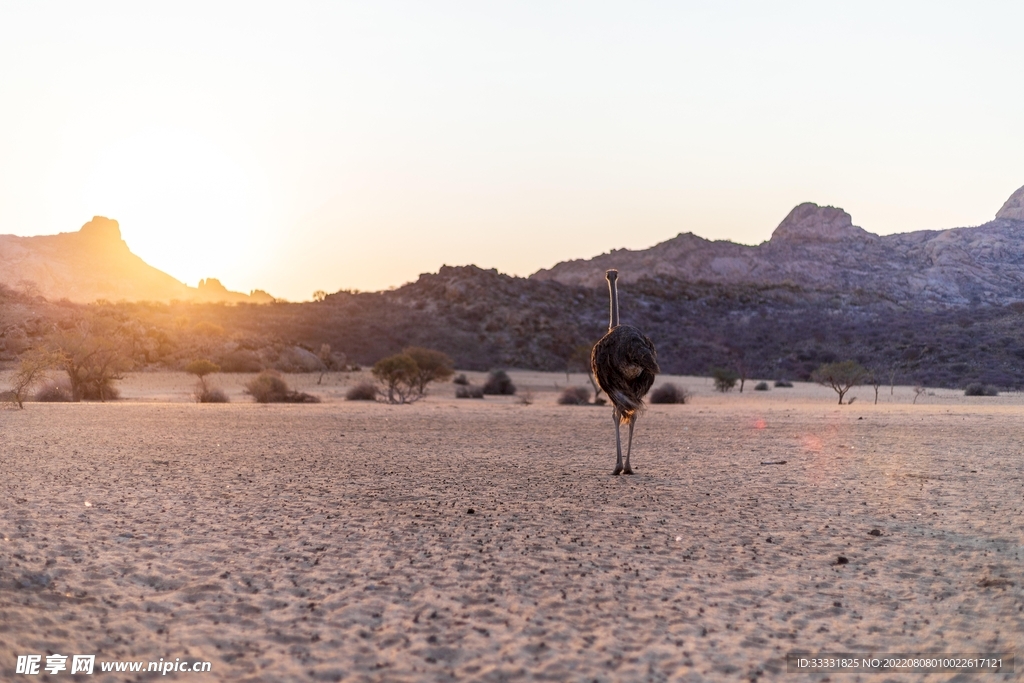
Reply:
x=613 y=291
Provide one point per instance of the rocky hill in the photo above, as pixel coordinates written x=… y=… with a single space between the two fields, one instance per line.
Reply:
x=95 y=263
x=819 y=248
x=937 y=308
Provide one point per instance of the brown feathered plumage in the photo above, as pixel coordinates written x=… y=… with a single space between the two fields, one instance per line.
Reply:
x=624 y=362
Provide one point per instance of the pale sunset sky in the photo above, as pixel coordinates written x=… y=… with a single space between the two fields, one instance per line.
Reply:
x=325 y=145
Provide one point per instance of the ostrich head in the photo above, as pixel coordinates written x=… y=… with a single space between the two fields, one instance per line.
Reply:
x=613 y=294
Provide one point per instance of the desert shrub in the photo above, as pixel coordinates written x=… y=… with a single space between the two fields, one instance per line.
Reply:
x=979 y=389
x=574 y=396
x=460 y=379
x=102 y=389
x=270 y=387
x=364 y=391
x=761 y=386
x=725 y=379
x=55 y=391
x=398 y=374
x=267 y=387
x=669 y=393
x=499 y=383
x=431 y=366
x=207 y=395
x=783 y=384
x=469 y=391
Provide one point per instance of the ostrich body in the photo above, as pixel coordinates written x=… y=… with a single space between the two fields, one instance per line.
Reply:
x=624 y=362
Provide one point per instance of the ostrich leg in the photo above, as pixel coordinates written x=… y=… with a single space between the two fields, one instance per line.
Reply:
x=618 y=442
x=629 y=448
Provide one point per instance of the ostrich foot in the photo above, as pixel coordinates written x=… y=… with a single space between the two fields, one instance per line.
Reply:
x=618 y=469
x=627 y=470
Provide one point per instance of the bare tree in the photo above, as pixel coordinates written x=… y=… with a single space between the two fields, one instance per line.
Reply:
x=326 y=361
x=580 y=359
x=875 y=381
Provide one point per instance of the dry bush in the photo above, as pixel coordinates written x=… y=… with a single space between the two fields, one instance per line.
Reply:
x=364 y=391
x=461 y=380
x=669 y=393
x=469 y=391
x=270 y=387
x=783 y=384
x=761 y=386
x=979 y=389
x=207 y=395
x=499 y=383
x=574 y=396
x=55 y=391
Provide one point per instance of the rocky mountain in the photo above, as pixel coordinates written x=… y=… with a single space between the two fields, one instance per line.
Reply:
x=819 y=248
x=95 y=263
x=937 y=308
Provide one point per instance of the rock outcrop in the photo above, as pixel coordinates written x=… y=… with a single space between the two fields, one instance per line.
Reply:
x=1013 y=209
x=95 y=263
x=820 y=248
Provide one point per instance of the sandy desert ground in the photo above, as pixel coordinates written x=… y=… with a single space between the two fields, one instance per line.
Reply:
x=464 y=540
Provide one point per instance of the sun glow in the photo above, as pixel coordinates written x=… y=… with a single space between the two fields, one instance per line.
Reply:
x=184 y=205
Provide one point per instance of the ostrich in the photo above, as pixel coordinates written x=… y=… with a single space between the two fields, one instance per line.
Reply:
x=625 y=363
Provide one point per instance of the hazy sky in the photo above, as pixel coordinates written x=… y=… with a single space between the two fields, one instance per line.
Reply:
x=303 y=146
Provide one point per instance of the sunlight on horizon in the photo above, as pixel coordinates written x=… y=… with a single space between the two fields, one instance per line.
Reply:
x=330 y=145
x=183 y=205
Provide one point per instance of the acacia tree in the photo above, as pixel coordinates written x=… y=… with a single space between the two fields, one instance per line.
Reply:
x=398 y=374
x=32 y=369
x=93 y=353
x=725 y=379
x=201 y=368
x=431 y=366
x=840 y=376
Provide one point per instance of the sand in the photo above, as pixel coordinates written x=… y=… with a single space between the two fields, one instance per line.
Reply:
x=486 y=540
